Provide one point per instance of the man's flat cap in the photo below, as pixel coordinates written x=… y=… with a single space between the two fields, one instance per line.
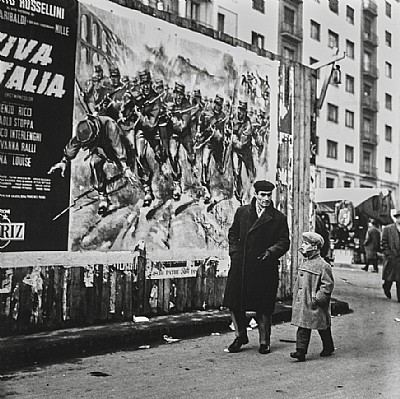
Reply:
x=313 y=238
x=263 y=185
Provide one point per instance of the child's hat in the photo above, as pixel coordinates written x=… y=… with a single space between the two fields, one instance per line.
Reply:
x=313 y=238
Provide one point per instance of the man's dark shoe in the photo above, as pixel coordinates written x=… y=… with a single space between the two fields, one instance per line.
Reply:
x=264 y=349
x=375 y=271
x=365 y=268
x=387 y=292
x=235 y=346
x=300 y=356
x=326 y=353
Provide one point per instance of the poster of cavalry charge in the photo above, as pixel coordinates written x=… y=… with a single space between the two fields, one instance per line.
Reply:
x=171 y=128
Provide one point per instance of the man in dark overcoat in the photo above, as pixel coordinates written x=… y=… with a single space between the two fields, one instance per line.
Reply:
x=258 y=237
x=390 y=245
x=372 y=244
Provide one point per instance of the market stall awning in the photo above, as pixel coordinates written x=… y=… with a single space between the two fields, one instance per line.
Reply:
x=355 y=195
x=373 y=202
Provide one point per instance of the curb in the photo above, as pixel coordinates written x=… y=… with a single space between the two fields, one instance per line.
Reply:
x=61 y=345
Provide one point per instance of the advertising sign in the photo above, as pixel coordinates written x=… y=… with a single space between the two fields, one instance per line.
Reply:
x=37 y=59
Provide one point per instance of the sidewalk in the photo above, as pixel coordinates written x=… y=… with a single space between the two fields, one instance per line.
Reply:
x=53 y=346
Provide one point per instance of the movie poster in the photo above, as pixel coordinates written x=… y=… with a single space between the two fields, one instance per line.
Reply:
x=37 y=60
x=197 y=121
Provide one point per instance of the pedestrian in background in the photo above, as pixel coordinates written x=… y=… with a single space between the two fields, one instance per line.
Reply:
x=322 y=227
x=311 y=298
x=372 y=245
x=390 y=244
x=258 y=237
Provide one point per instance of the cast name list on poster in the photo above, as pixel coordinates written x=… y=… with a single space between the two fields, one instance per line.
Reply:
x=11 y=116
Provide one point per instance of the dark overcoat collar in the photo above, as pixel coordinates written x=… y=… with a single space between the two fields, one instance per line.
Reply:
x=395 y=235
x=265 y=217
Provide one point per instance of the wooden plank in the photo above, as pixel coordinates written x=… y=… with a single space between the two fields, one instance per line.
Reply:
x=181 y=294
x=143 y=292
x=57 y=313
x=119 y=295
x=128 y=305
x=105 y=293
x=98 y=292
x=166 y=292
x=73 y=295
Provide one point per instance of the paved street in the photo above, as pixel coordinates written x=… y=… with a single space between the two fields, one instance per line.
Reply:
x=366 y=363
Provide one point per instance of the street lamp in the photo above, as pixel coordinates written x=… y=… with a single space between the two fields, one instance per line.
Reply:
x=334 y=75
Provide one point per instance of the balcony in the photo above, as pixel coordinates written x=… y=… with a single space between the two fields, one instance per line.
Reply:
x=371 y=38
x=370 y=71
x=369 y=170
x=370 y=104
x=292 y=32
x=370 y=6
x=369 y=138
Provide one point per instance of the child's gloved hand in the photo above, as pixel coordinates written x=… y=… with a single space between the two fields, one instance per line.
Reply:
x=314 y=304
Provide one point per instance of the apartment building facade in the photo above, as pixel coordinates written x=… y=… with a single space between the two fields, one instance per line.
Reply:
x=357 y=126
x=358 y=123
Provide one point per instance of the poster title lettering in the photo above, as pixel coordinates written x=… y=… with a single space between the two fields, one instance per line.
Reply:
x=29 y=80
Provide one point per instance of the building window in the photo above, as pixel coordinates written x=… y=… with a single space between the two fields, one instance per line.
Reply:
x=289 y=53
x=333 y=113
x=221 y=23
x=288 y=17
x=315 y=31
x=257 y=40
x=259 y=5
x=388 y=39
x=367 y=91
x=349 y=154
x=367 y=161
x=349 y=120
x=367 y=28
x=388 y=70
x=330 y=182
x=334 y=6
x=388 y=165
x=350 y=15
x=313 y=61
x=388 y=101
x=388 y=9
x=367 y=127
x=347 y=184
x=316 y=145
x=194 y=11
x=349 y=84
x=350 y=49
x=331 y=149
x=333 y=40
x=367 y=61
x=388 y=133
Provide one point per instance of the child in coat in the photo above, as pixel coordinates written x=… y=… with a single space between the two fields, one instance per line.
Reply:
x=311 y=298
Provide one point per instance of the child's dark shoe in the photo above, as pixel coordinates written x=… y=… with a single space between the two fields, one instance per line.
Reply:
x=326 y=353
x=299 y=355
x=264 y=349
